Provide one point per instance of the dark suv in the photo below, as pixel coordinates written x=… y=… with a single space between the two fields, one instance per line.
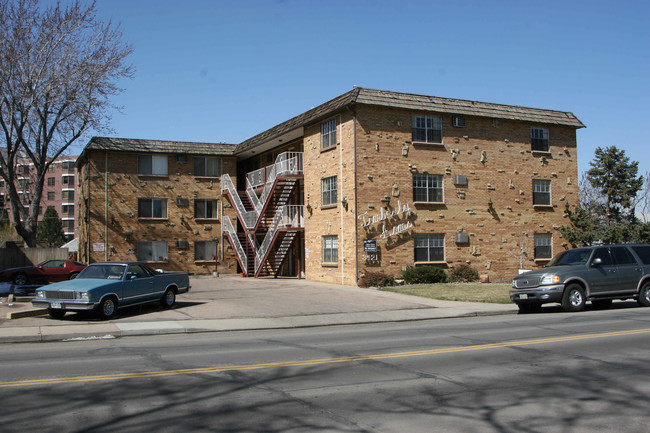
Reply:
x=598 y=274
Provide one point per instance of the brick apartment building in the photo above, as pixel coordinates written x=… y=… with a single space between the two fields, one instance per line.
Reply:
x=59 y=191
x=371 y=180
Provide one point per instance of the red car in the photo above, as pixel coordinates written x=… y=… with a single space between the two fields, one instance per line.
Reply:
x=47 y=272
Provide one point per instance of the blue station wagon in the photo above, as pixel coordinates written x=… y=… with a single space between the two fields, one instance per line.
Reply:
x=105 y=287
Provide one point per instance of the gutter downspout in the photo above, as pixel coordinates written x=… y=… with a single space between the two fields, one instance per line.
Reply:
x=356 y=204
x=106 y=206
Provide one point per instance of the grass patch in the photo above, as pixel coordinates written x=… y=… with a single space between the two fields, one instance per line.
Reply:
x=464 y=292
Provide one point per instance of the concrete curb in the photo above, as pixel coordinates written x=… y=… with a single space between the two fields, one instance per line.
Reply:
x=130 y=329
x=26 y=313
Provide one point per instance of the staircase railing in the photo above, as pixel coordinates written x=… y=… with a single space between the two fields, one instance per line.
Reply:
x=239 y=249
x=249 y=218
x=288 y=216
x=285 y=163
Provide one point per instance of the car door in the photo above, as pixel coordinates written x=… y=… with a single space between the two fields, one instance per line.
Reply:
x=628 y=270
x=601 y=274
x=138 y=285
x=53 y=270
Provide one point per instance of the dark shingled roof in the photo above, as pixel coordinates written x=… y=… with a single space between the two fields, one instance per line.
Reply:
x=157 y=146
x=418 y=103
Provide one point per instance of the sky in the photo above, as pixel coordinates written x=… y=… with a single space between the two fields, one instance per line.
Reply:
x=224 y=71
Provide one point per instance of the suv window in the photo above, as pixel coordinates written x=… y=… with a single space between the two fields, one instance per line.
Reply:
x=622 y=256
x=644 y=253
x=603 y=254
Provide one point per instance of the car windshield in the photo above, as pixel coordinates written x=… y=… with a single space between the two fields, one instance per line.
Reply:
x=103 y=272
x=572 y=257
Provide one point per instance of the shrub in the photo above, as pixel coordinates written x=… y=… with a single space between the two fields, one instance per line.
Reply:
x=376 y=279
x=463 y=274
x=423 y=275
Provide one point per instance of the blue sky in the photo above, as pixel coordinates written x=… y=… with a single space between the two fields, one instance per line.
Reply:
x=223 y=71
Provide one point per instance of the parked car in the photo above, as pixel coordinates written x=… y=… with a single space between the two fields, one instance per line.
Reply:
x=105 y=287
x=47 y=272
x=598 y=274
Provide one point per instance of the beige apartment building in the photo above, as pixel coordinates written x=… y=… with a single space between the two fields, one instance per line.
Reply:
x=369 y=181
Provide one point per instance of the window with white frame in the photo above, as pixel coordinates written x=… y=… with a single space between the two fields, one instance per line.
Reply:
x=205 y=250
x=205 y=208
x=330 y=249
x=152 y=208
x=67 y=194
x=152 y=251
x=426 y=129
x=543 y=245
x=67 y=165
x=329 y=190
x=68 y=225
x=428 y=188
x=67 y=179
x=429 y=247
x=152 y=164
x=206 y=167
x=541 y=192
x=67 y=209
x=539 y=139
x=328 y=134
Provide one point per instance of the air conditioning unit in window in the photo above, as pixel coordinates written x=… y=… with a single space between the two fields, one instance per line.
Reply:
x=182 y=201
x=182 y=245
x=462 y=238
x=460 y=180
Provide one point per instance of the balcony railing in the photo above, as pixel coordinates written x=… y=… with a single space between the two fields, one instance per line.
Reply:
x=286 y=217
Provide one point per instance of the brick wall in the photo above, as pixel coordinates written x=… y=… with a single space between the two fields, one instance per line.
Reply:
x=108 y=211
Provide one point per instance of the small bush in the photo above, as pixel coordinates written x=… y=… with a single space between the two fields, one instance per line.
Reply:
x=424 y=275
x=376 y=279
x=463 y=274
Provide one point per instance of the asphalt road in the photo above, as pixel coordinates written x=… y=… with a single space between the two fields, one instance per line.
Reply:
x=550 y=372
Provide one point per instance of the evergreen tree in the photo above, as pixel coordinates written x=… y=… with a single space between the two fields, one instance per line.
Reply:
x=606 y=212
x=50 y=230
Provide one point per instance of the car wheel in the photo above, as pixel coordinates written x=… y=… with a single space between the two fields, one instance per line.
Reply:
x=55 y=313
x=20 y=279
x=169 y=299
x=107 y=308
x=529 y=308
x=644 y=295
x=73 y=275
x=573 y=298
x=602 y=303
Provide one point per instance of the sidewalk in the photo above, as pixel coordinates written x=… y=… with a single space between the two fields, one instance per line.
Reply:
x=230 y=303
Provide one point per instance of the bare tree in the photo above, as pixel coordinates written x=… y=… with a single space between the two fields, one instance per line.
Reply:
x=58 y=69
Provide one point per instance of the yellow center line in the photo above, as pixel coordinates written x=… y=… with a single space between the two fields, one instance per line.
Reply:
x=307 y=362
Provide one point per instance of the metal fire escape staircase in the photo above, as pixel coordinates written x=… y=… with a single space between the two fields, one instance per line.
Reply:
x=267 y=213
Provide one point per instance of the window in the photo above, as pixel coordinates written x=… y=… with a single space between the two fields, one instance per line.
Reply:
x=152 y=164
x=428 y=188
x=67 y=165
x=68 y=225
x=154 y=251
x=330 y=249
x=152 y=208
x=604 y=255
x=208 y=167
x=205 y=250
x=50 y=195
x=329 y=190
x=644 y=253
x=543 y=245
x=539 y=139
x=458 y=121
x=136 y=271
x=541 y=192
x=427 y=129
x=67 y=209
x=67 y=194
x=328 y=134
x=205 y=208
x=67 y=179
x=50 y=181
x=622 y=256
x=429 y=247
x=23 y=184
